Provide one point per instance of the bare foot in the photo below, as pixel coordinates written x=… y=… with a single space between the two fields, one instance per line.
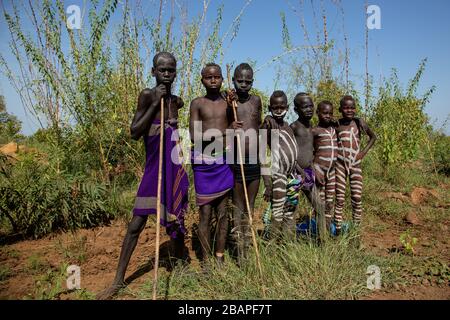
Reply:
x=109 y=293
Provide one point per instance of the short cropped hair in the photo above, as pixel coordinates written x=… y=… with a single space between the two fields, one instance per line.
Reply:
x=300 y=95
x=345 y=99
x=243 y=66
x=278 y=94
x=163 y=54
x=323 y=104
x=209 y=65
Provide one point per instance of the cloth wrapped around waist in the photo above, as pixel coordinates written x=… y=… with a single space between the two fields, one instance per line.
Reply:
x=175 y=183
x=213 y=178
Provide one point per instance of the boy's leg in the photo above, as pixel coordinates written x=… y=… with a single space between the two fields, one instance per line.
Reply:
x=252 y=190
x=204 y=234
x=241 y=220
x=322 y=195
x=278 y=200
x=330 y=192
x=238 y=216
x=320 y=175
x=222 y=227
x=178 y=245
x=318 y=205
x=135 y=228
x=319 y=209
x=321 y=192
x=356 y=185
x=341 y=181
x=289 y=222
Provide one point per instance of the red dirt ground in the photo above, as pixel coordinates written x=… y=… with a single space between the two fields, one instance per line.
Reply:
x=26 y=260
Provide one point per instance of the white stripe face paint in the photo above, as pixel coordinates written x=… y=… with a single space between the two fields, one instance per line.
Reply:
x=278 y=115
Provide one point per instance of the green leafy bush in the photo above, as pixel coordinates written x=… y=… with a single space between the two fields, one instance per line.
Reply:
x=400 y=121
x=440 y=151
x=37 y=201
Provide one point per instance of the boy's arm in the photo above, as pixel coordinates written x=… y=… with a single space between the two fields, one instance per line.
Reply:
x=268 y=185
x=260 y=108
x=293 y=126
x=146 y=110
x=300 y=170
x=148 y=105
x=194 y=117
x=315 y=133
x=230 y=97
x=180 y=102
x=265 y=168
x=372 y=139
x=317 y=172
x=267 y=179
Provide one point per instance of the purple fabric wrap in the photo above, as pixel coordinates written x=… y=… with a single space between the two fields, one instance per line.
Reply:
x=212 y=177
x=308 y=182
x=175 y=183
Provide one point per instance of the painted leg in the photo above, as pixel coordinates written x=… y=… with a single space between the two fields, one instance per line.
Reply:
x=278 y=200
x=330 y=193
x=356 y=185
x=341 y=181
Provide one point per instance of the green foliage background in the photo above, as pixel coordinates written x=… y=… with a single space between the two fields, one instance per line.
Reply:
x=84 y=95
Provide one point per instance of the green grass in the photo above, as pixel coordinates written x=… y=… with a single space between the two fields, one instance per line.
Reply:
x=51 y=284
x=334 y=270
x=75 y=251
x=5 y=272
x=35 y=264
x=293 y=270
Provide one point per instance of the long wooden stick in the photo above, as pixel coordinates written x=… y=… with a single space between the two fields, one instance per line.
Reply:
x=158 y=201
x=250 y=218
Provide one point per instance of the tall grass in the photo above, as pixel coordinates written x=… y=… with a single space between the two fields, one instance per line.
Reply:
x=293 y=270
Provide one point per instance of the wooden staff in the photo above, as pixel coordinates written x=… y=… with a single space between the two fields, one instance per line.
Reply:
x=158 y=200
x=250 y=218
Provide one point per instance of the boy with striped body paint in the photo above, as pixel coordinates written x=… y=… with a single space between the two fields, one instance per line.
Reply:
x=284 y=164
x=349 y=159
x=325 y=156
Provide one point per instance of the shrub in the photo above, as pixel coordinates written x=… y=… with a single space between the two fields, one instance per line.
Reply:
x=440 y=151
x=400 y=120
x=37 y=201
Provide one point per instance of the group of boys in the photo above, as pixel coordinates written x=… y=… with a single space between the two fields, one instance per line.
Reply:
x=319 y=159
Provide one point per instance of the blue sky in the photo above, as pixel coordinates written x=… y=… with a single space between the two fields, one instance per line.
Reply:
x=410 y=31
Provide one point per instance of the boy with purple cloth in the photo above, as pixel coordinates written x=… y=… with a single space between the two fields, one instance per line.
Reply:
x=174 y=195
x=213 y=178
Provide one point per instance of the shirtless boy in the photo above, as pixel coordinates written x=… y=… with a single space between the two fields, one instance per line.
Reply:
x=304 y=107
x=213 y=178
x=325 y=156
x=349 y=159
x=284 y=163
x=147 y=123
x=249 y=114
